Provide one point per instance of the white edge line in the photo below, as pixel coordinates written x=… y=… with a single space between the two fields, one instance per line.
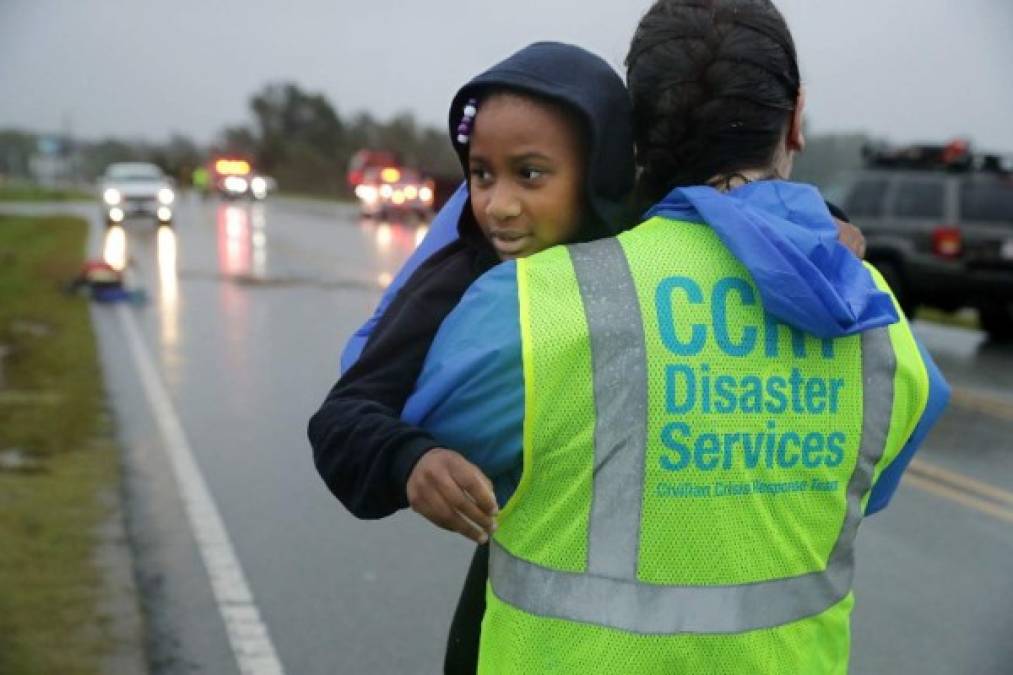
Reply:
x=251 y=644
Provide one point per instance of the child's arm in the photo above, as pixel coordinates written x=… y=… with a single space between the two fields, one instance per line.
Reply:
x=470 y=395
x=361 y=447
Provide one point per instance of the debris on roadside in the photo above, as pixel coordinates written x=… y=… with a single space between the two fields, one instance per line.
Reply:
x=103 y=283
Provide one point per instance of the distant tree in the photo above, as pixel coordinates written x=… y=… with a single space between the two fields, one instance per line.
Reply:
x=238 y=140
x=16 y=150
x=95 y=157
x=178 y=157
x=436 y=155
x=288 y=116
x=299 y=138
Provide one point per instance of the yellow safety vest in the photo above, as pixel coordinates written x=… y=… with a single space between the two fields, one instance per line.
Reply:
x=695 y=471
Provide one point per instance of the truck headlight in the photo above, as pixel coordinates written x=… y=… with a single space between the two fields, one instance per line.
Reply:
x=366 y=193
x=258 y=186
x=165 y=196
x=112 y=196
x=236 y=184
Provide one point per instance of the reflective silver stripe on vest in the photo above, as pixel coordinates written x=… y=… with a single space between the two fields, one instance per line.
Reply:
x=609 y=594
x=879 y=367
x=619 y=364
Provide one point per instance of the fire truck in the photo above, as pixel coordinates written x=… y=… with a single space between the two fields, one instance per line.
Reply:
x=384 y=186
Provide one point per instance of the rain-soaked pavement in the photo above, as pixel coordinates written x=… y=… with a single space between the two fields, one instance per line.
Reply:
x=249 y=305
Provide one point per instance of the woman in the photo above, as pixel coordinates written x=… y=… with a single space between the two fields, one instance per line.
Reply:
x=718 y=108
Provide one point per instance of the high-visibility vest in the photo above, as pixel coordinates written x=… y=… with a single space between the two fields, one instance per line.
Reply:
x=695 y=471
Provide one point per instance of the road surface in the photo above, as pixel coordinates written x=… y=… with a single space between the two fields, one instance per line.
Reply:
x=249 y=306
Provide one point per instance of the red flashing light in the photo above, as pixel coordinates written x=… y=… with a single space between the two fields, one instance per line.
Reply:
x=955 y=150
x=947 y=242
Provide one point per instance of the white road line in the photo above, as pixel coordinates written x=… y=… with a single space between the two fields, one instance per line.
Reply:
x=248 y=636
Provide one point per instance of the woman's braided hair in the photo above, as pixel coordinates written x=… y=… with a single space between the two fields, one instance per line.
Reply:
x=714 y=84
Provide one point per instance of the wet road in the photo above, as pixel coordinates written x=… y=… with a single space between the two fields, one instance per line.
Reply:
x=249 y=306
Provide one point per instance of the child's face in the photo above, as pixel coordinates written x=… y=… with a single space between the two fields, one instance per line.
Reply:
x=526 y=162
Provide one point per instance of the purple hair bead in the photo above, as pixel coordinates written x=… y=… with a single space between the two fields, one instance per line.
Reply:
x=464 y=128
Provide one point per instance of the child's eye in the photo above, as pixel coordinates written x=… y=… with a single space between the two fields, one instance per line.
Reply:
x=480 y=174
x=531 y=174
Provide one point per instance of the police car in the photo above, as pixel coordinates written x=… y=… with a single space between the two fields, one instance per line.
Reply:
x=130 y=189
x=938 y=221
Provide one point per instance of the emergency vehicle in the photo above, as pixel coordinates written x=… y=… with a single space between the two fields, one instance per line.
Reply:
x=233 y=177
x=384 y=186
x=366 y=160
x=393 y=190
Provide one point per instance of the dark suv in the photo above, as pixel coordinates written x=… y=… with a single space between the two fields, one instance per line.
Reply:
x=939 y=226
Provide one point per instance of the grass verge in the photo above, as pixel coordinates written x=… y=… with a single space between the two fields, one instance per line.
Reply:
x=961 y=319
x=58 y=455
x=17 y=191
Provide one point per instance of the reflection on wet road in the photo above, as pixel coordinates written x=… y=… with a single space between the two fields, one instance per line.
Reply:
x=168 y=296
x=250 y=305
x=114 y=248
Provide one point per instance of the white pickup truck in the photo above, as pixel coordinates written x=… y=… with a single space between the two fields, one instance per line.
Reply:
x=131 y=189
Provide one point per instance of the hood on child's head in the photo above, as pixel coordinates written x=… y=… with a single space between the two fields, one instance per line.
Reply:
x=584 y=82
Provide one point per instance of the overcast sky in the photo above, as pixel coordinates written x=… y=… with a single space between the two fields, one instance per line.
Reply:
x=906 y=69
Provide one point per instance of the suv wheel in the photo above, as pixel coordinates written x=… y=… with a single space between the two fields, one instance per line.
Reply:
x=891 y=273
x=997 y=320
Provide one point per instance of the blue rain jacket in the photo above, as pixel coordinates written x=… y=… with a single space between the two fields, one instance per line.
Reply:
x=470 y=394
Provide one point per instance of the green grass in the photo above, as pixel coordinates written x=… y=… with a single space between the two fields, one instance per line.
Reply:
x=16 y=191
x=52 y=409
x=962 y=319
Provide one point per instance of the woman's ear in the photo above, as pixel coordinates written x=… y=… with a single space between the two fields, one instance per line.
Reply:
x=796 y=134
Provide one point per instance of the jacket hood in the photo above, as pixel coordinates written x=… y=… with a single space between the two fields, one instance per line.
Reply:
x=784 y=235
x=585 y=83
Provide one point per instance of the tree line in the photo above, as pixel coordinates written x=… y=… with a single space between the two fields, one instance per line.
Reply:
x=300 y=139
x=295 y=136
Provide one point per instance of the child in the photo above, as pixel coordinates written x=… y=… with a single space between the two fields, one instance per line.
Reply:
x=545 y=139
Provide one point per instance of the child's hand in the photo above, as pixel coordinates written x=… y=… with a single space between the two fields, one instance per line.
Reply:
x=452 y=493
x=851 y=237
